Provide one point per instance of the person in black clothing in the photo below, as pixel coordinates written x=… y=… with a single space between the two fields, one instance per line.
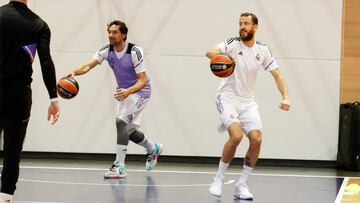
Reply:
x=22 y=32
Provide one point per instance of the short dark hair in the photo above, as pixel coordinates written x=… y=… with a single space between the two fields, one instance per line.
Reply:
x=122 y=27
x=253 y=17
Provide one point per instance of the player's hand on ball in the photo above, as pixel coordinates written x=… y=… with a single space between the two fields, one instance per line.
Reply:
x=69 y=75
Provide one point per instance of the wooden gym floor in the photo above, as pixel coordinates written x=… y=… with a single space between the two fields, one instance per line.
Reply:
x=55 y=181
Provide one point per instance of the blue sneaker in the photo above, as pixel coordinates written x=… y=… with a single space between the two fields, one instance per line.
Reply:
x=151 y=158
x=117 y=170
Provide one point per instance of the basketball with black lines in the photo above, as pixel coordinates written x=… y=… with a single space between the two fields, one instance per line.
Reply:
x=222 y=65
x=67 y=88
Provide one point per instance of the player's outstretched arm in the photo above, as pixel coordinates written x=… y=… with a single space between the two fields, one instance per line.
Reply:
x=82 y=69
x=282 y=87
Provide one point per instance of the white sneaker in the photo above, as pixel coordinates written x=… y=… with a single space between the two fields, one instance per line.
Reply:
x=242 y=192
x=117 y=170
x=216 y=187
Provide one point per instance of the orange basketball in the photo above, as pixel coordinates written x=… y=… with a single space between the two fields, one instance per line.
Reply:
x=222 y=65
x=67 y=88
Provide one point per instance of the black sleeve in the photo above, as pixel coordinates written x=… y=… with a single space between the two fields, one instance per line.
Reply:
x=47 y=65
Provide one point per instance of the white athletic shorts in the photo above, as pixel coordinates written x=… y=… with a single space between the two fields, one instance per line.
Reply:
x=232 y=110
x=130 y=110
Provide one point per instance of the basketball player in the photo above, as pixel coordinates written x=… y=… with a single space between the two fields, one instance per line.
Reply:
x=128 y=64
x=22 y=32
x=236 y=102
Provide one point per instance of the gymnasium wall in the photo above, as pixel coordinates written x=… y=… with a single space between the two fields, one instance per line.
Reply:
x=305 y=37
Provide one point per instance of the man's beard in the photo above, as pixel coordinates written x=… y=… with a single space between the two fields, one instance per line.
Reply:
x=113 y=42
x=248 y=36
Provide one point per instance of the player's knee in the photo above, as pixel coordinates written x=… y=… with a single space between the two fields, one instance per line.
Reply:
x=255 y=140
x=120 y=123
x=236 y=139
x=122 y=132
x=137 y=136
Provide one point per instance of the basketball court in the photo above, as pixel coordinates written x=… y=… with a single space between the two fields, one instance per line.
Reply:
x=60 y=181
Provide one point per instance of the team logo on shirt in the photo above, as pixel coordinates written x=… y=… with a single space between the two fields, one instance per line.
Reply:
x=257 y=57
x=240 y=53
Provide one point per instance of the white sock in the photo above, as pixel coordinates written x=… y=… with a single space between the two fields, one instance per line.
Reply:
x=5 y=197
x=121 y=153
x=148 y=144
x=246 y=172
x=222 y=169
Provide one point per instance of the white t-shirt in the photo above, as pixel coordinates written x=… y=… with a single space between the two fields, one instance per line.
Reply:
x=248 y=61
x=137 y=56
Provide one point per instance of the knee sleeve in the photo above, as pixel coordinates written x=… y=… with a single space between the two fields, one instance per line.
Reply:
x=122 y=132
x=137 y=137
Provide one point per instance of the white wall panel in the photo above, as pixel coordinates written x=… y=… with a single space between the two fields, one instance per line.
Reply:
x=293 y=29
x=309 y=130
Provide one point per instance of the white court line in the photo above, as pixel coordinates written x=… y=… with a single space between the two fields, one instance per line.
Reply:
x=188 y=172
x=115 y=184
x=229 y=182
x=341 y=190
x=119 y=184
